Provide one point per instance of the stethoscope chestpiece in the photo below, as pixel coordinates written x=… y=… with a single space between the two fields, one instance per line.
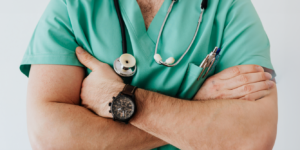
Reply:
x=125 y=65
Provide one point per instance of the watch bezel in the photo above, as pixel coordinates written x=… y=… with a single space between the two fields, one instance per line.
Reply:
x=112 y=104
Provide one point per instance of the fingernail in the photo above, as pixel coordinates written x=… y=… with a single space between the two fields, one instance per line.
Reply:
x=259 y=68
x=79 y=50
x=270 y=84
x=268 y=75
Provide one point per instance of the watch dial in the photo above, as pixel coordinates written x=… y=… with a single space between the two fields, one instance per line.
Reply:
x=123 y=107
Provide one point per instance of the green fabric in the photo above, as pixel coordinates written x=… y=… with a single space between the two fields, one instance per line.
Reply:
x=232 y=25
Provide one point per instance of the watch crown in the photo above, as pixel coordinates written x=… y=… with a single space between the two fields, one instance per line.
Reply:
x=109 y=111
x=109 y=104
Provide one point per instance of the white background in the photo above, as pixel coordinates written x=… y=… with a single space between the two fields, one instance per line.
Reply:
x=18 y=18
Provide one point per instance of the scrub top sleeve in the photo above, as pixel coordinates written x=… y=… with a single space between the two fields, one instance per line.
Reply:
x=53 y=41
x=244 y=39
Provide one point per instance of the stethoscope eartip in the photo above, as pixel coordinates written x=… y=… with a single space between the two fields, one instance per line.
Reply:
x=170 y=60
x=157 y=58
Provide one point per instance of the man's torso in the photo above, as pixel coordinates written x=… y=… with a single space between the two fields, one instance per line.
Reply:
x=103 y=40
x=94 y=25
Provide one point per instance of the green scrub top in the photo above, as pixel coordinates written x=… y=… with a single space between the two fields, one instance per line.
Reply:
x=232 y=25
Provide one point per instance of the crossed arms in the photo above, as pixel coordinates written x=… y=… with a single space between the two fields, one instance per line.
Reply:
x=56 y=121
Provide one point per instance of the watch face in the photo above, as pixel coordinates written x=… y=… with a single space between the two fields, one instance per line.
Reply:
x=122 y=107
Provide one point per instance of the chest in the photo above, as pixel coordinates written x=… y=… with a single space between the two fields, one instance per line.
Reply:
x=105 y=42
x=149 y=9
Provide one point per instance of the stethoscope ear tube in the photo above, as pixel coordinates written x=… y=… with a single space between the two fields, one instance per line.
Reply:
x=157 y=57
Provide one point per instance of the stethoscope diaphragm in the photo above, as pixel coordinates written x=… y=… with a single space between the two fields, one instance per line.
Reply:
x=125 y=65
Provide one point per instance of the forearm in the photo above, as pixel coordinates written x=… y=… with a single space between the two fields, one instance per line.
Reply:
x=216 y=124
x=66 y=126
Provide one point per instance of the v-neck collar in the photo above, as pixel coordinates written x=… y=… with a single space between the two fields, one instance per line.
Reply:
x=131 y=10
x=157 y=21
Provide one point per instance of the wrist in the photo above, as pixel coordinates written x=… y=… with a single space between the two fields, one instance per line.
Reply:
x=123 y=105
x=141 y=100
x=119 y=87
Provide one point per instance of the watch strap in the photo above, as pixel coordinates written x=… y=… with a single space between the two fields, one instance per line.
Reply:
x=129 y=90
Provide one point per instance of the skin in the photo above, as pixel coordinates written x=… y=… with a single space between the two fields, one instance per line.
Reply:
x=245 y=124
x=247 y=83
x=57 y=121
x=149 y=8
x=212 y=125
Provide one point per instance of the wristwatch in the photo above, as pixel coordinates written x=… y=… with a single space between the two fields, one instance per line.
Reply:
x=123 y=106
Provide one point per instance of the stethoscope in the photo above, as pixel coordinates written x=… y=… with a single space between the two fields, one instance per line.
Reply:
x=126 y=64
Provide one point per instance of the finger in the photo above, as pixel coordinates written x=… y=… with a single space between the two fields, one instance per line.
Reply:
x=251 y=88
x=256 y=96
x=245 y=79
x=86 y=59
x=237 y=70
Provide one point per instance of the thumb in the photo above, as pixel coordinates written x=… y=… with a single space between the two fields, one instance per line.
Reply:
x=87 y=59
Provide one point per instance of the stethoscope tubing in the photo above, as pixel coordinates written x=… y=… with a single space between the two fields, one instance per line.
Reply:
x=187 y=50
x=122 y=26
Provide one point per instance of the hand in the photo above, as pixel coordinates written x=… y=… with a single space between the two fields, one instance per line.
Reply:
x=100 y=86
x=248 y=82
